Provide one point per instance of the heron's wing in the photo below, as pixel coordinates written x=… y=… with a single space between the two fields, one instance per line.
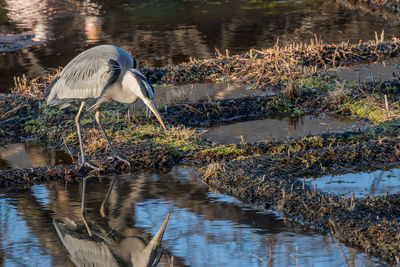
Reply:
x=84 y=250
x=83 y=78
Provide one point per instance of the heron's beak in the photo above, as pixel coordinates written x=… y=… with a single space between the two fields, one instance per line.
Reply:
x=156 y=241
x=153 y=108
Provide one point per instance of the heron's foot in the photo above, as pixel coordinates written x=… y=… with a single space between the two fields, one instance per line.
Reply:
x=89 y=165
x=116 y=157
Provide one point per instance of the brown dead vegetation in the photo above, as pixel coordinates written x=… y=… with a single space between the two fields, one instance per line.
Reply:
x=278 y=64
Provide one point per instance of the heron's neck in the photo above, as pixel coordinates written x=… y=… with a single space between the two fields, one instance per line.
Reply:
x=122 y=94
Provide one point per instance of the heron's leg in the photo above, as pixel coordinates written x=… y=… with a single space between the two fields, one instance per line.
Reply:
x=114 y=154
x=83 y=207
x=78 y=129
x=103 y=205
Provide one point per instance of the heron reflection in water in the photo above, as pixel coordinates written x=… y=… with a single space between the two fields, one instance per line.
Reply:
x=93 y=244
x=96 y=76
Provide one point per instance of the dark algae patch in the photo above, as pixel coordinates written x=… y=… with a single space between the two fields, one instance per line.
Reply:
x=268 y=174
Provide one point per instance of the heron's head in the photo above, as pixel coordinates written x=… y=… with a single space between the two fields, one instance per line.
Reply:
x=139 y=85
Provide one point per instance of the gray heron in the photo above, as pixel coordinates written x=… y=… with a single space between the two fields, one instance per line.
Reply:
x=96 y=76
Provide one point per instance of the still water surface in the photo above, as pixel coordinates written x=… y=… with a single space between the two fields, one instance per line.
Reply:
x=385 y=70
x=39 y=35
x=271 y=128
x=205 y=229
x=31 y=154
x=361 y=184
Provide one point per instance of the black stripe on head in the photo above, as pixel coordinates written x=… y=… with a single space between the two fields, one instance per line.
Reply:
x=145 y=86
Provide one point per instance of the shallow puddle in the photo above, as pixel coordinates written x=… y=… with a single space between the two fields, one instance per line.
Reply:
x=277 y=128
x=360 y=184
x=31 y=154
x=204 y=229
x=177 y=94
x=378 y=71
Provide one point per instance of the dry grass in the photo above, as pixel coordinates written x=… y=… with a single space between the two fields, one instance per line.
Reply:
x=213 y=169
x=286 y=63
x=95 y=141
x=35 y=87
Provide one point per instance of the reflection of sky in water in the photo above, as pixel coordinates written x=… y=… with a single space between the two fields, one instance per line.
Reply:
x=205 y=229
x=224 y=243
x=19 y=245
x=201 y=241
x=361 y=184
x=41 y=194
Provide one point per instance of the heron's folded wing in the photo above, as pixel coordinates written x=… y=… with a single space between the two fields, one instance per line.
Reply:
x=84 y=78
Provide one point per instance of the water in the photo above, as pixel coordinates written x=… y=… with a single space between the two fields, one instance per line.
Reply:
x=175 y=94
x=360 y=184
x=31 y=154
x=277 y=128
x=160 y=33
x=378 y=71
x=204 y=229
x=184 y=93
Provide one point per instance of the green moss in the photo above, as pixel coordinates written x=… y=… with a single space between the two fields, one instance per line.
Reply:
x=178 y=145
x=315 y=83
x=296 y=112
x=280 y=104
x=368 y=109
x=313 y=141
x=223 y=151
x=323 y=83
